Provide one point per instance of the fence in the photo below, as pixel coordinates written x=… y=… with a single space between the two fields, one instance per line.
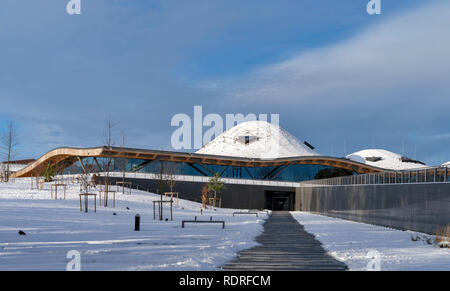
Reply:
x=416 y=199
x=202 y=179
x=423 y=175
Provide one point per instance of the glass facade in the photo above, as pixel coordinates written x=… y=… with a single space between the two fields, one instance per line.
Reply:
x=290 y=173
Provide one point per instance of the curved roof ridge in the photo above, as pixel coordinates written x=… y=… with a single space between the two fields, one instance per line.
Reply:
x=257 y=139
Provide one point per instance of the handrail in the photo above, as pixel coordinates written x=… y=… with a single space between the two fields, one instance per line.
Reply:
x=438 y=174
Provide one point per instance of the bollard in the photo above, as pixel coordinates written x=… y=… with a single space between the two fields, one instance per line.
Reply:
x=137 y=221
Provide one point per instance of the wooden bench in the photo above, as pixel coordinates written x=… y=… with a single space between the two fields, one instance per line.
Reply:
x=203 y=221
x=241 y=212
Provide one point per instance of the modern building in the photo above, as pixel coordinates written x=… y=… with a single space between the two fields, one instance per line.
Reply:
x=14 y=166
x=260 y=164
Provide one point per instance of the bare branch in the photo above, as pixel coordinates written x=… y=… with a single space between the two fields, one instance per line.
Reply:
x=108 y=140
x=8 y=145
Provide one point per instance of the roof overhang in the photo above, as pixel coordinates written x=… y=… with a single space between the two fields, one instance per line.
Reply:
x=59 y=155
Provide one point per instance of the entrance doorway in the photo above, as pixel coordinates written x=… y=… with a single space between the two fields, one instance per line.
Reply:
x=280 y=200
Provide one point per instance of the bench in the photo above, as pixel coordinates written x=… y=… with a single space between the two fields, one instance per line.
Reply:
x=240 y=212
x=203 y=221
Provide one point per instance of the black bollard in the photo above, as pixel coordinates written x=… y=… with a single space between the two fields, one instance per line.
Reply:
x=137 y=222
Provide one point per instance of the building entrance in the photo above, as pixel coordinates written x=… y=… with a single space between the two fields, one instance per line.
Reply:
x=280 y=200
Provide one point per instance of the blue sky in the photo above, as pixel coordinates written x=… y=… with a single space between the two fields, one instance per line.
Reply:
x=338 y=77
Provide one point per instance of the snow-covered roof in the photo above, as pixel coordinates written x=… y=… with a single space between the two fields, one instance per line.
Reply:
x=385 y=159
x=12 y=167
x=257 y=139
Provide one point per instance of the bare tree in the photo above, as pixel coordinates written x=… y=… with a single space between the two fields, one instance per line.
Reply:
x=73 y=170
x=108 y=141
x=172 y=170
x=37 y=173
x=2 y=172
x=161 y=183
x=85 y=179
x=8 y=144
x=122 y=163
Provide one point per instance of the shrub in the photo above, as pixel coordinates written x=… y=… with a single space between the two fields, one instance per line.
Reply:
x=49 y=173
x=443 y=236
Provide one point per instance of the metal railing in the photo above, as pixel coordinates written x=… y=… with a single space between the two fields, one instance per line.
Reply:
x=439 y=174
x=423 y=175
x=188 y=178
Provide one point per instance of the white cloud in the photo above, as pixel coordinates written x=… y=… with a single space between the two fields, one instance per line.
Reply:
x=382 y=87
x=404 y=58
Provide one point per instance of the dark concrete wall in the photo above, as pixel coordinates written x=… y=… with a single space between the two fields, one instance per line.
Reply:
x=234 y=196
x=418 y=207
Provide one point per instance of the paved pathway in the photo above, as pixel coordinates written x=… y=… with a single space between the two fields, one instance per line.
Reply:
x=284 y=246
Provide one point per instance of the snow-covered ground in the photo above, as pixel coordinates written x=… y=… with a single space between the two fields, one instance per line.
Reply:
x=109 y=242
x=351 y=243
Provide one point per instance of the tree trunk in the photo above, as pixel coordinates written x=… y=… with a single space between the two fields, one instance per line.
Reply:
x=160 y=207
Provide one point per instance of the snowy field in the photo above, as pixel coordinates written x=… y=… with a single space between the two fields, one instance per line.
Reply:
x=109 y=242
x=351 y=242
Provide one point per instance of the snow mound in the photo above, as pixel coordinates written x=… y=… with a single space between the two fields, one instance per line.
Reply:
x=256 y=139
x=385 y=159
